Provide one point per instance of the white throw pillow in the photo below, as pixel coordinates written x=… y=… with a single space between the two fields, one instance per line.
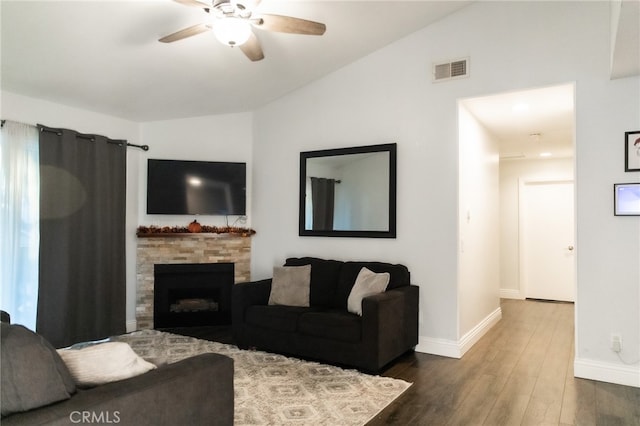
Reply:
x=367 y=283
x=103 y=363
x=290 y=285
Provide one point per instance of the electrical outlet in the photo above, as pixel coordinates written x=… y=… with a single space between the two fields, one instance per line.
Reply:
x=616 y=343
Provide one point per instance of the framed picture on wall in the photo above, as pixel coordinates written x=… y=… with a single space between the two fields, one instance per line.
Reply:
x=626 y=199
x=632 y=151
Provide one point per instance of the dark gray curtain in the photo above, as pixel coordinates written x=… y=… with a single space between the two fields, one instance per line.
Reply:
x=82 y=286
x=323 y=199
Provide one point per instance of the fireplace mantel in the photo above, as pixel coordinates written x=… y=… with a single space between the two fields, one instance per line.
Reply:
x=187 y=235
x=153 y=231
x=163 y=248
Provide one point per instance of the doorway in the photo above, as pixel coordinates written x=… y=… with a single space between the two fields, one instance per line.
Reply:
x=534 y=133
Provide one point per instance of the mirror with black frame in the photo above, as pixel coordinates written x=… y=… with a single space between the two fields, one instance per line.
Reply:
x=348 y=192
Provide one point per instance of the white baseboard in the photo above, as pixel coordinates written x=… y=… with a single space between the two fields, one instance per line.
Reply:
x=131 y=325
x=442 y=347
x=470 y=338
x=456 y=349
x=628 y=375
x=509 y=293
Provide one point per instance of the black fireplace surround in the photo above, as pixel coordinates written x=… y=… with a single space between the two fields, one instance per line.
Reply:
x=192 y=294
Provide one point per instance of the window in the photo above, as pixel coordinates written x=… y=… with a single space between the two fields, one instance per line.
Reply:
x=19 y=222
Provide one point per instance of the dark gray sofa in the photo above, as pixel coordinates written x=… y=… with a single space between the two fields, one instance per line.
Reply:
x=326 y=331
x=194 y=391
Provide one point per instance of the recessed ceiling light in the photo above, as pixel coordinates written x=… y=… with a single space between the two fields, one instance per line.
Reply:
x=545 y=154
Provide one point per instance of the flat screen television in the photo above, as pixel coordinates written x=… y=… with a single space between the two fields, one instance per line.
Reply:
x=196 y=187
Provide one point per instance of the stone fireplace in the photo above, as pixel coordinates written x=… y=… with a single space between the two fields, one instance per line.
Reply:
x=185 y=248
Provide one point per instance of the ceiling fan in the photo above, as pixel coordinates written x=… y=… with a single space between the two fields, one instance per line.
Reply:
x=232 y=21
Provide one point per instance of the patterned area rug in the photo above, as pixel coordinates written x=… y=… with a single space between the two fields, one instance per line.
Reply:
x=273 y=389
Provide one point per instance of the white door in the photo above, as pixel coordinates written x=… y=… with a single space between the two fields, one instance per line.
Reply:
x=547 y=260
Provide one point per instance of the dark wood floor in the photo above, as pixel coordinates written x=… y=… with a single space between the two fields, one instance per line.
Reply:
x=519 y=373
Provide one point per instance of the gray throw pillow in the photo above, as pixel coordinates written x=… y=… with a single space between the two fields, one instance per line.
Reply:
x=290 y=285
x=367 y=283
x=33 y=374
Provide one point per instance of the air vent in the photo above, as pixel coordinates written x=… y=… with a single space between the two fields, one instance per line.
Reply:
x=451 y=70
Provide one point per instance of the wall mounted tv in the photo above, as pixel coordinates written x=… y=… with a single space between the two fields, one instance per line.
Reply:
x=196 y=187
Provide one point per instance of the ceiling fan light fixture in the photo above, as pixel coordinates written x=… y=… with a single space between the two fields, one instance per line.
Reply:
x=232 y=31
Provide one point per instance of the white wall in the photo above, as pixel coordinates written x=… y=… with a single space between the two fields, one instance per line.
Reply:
x=35 y=111
x=510 y=173
x=479 y=208
x=388 y=96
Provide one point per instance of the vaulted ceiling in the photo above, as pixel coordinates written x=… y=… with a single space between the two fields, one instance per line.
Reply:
x=105 y=56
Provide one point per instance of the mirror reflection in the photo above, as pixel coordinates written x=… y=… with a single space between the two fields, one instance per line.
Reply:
x=348 y=192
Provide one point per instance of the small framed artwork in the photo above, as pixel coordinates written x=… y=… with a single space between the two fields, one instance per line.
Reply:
x=632 y=151
x=626 y=199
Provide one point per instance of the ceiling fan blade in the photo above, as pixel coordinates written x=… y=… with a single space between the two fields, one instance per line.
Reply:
x=194 y=3
x=252 y=48
x=288 y=24
x=252 y=4
x=187 y=32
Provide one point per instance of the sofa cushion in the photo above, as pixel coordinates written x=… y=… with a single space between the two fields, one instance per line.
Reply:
x=367 y=283
x=277 y=317
x=33 y=375
x=290 y=285
x=324 y=278
x=104 y=363
x=398 y=277
x=332 y=325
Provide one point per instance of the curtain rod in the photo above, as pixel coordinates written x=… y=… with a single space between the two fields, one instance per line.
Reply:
x=335 y=180
x=142 y=147
x=92 y=138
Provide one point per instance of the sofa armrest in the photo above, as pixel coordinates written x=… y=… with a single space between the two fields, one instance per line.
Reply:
x=244 y=295
x=252 y=293
x=193 y=391
x=390 y=322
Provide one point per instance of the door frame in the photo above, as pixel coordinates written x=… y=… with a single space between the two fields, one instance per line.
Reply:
x=522 y=183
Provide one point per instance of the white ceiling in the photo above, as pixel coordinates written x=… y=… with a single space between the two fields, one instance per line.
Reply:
x=104 y=56
x=529 y=122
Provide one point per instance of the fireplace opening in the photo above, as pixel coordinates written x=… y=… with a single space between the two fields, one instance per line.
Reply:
x=194 y=305
x=192 y=294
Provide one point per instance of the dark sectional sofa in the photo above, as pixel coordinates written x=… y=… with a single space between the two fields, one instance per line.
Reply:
x=326 y=331
x=37 y=389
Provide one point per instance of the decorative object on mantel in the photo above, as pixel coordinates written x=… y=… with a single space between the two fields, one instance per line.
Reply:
x=195 y=227
x=151 y=231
